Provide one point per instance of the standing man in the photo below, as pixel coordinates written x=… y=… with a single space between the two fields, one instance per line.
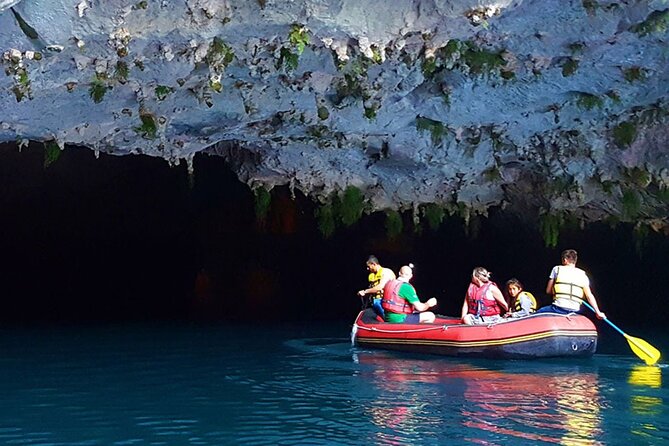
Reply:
x=378 y=277
x=484 y=302
x=569 y=285
x=400 y=300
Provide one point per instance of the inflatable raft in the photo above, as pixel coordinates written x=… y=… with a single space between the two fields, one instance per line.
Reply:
x=537 y=336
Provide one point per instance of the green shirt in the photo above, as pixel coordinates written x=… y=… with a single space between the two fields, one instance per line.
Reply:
x=408 y=293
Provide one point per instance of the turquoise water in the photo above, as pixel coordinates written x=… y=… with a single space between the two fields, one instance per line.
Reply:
x=194 y=385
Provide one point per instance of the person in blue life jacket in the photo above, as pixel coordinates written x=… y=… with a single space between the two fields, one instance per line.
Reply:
x=521 y=303
x=377 y=278
x=401 y=303
x=484 y=301
x=569 y=286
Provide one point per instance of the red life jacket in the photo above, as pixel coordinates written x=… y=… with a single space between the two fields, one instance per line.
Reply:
x=392 y=301
x=477 y=303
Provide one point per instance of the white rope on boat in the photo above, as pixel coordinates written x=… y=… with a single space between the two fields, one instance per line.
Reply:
x=414 y=330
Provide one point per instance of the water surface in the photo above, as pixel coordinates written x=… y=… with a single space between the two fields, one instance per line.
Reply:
x=215 y=385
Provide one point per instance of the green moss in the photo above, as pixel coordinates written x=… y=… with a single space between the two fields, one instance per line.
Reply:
x=576 y=47
x=656 y=22
x=614 y=96
x=634 y=73
x=436 y=128
x=262 y=200
x=299 y=38
x=569 y=67
x=434 y=215
x=590 y=6
x=351 y=206
x=121 y=72
x=624 y=134
x=162 y=91
x=326 y=220
x=323 y=113
x=429 y=67
x=638 y=177
x=631 y=203
x=51 y=153
x=18 y=93
x=481 y=61
x=219 y=53
x=370 y=113
x=492 y=174
x=143 y=4
x=507 y=75
x=351 y=87
x=376 y=55
x=148 y=129
x=97 y=90
x=589 y=101
x=394 y=224
x=287 y=59
x=550 y=225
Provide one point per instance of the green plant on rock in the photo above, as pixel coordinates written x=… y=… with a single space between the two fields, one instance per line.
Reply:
x=325 y=219
x=434 y=215
x=634 y=73
x=624 y=134
x=638 y=177
x=590 y=6
x=481 y=61
x=149 y=128
x=51 y=153
x=394 y=224
x=98 y=89
x=299 y=38
x=656 y=22
x=614 y=96
x=492 y=174
x=323 y=113
x=370 y=112
x=631 y=204
x=287 y=59
x=550 y=225
x=162 y=91
x=351 y=206
x=262 y=200
x=121 y=72
x=436 y=128
x=219 y=54
x=569 y=67
x=589 y=101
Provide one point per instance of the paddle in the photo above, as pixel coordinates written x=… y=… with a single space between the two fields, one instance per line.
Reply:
x=641 y=348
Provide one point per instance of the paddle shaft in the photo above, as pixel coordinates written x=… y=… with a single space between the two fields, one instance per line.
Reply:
x=607 y=320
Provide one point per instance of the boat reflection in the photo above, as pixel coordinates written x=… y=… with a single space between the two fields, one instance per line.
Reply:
x=557 y=405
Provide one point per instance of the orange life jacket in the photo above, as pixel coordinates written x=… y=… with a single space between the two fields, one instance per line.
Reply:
x=392 y=301
x=477 y=303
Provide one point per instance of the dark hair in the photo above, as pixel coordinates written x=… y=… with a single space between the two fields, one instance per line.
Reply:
x=570 y=254
x=372 y=260
x=515 y=282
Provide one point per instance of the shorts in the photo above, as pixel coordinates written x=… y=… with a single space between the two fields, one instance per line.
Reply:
x=481 y=320
x=413 y=318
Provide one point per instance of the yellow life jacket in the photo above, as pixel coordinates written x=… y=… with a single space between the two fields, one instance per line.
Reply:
x=516 y=303
x=569 y=284
x=374 y=279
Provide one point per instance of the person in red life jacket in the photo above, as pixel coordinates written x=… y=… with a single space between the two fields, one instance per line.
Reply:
x=484 y=301
x=400 y=301
x=378 y=277
x=569 y=285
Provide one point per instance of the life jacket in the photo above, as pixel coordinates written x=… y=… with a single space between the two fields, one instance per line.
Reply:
x=374 y=279
x=392 y=301
x=477 y=303
x=516 y=302
x=567 y=284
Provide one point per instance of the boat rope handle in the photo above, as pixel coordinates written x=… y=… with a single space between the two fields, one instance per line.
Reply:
x=415 y=330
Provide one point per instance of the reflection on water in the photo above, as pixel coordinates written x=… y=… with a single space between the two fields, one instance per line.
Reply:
x=645 y=376
x=560 y=408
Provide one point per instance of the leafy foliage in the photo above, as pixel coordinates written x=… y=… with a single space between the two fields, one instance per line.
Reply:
x=162 y=91
x=351 y=206
x=631 y=202
x=634 y=73
x=656 y=22
x=436 y=128
x=51 y=153
x=97 y=90
x=394 y=224
x=299 y=38
x=589 y=101
x=569 y=67
x=326 y=220
x=148 y=129
x=624 y=134
x=434 y=215
x=262 y=201
x=550 y=225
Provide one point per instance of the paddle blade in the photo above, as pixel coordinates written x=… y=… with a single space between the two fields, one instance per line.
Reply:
x=643 y=350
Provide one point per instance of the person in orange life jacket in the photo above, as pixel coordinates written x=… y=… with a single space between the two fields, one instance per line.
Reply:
x=484 y=302
x=569 y=285
x=378 y=277
x=521 y=303
x=400 y=300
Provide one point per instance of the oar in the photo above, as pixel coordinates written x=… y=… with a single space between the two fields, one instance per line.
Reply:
x=641 y=348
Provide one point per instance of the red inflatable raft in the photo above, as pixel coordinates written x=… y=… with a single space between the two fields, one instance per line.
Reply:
x=537 y=336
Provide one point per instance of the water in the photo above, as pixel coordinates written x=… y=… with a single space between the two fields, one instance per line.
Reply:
x=190 y=385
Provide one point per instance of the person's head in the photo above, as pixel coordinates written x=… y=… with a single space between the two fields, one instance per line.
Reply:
x=480 y=275
x=406 y=272
x=373 y=264
x=514 y=287
x=569 y=257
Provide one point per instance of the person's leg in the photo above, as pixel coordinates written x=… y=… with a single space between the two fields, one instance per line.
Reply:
x=413 y=318
x=427 y=317
x=378 y=309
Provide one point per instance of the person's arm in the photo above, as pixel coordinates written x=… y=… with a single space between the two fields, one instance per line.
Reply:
x=497 y=294
x=465 y=309
x=386 y=276
x=593 y=302
x=420 y=306
x=551 y=282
